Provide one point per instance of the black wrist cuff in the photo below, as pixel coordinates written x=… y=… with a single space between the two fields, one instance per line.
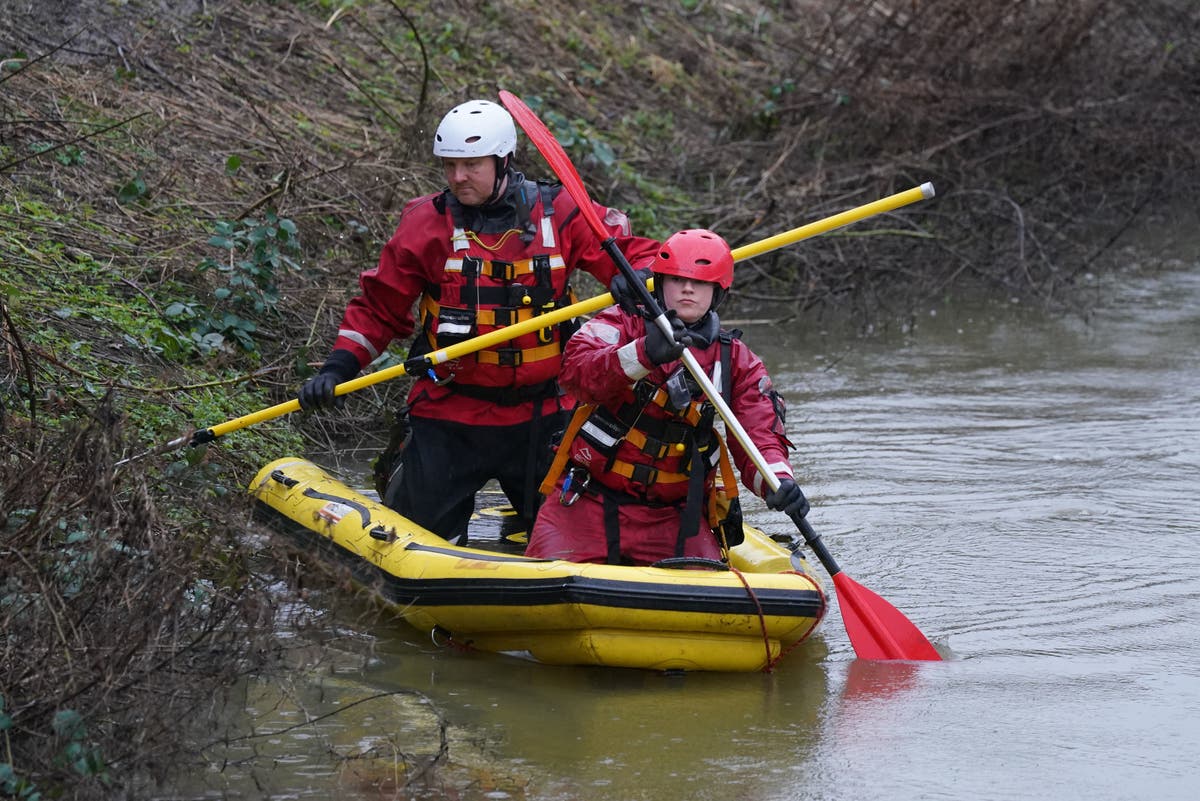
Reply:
x=343 y=363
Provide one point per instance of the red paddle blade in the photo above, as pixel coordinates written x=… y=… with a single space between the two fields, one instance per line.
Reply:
x=878 y=630
x=555 y=156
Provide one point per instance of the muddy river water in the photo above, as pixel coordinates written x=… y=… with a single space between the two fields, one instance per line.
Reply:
x=1024 y=485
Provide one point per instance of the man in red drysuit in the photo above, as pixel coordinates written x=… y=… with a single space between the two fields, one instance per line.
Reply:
x=490 y=250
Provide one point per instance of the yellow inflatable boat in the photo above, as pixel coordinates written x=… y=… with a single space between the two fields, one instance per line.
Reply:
x=743 y=616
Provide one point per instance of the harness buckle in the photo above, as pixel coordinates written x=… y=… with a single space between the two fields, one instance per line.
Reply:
x=655 y=448
x=471 y=266
x=510 y=357
x=503 y=270
x=643 y=474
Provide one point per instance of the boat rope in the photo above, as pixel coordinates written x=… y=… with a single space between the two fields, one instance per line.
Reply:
x=785 y=651
x=769 y=664
x=449 y=641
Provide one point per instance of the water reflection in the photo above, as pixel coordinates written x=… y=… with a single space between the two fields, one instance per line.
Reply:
x=626 y=733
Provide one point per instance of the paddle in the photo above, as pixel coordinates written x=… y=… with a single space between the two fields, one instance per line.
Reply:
x=876 y=629
x=537 y=323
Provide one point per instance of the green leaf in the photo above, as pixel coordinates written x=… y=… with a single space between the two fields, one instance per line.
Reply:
x=603 y=153
x=68 y=723
x=69 y=156
x=134 y=189
x=232 y=164
x=177 y=309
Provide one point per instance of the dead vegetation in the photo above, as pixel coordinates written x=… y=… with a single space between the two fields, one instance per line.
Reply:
x=122 y=628
x=1046 y=127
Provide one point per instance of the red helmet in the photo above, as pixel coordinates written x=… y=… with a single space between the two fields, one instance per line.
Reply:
x=697 y=254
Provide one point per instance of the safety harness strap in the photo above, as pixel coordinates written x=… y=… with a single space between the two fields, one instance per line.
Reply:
x=505 y=396
x=564 y=448
x=515 y=357
x=506 y=270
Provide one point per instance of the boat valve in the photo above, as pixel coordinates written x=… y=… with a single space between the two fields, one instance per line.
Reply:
x=382 y=534
x=282 y=478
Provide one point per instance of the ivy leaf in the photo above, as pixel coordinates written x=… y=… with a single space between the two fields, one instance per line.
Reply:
x=603 y=153
x=67 y=723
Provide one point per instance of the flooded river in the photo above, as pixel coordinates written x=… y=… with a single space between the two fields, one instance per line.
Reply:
x=1024 y=486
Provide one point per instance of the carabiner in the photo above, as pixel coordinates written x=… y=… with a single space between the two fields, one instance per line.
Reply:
x=440 y=381
x=566 y=498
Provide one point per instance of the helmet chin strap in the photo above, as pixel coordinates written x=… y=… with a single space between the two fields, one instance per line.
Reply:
x=718 y=296
x=502 y=163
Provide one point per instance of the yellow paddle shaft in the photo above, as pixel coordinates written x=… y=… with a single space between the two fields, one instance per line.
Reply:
x=502 y=335
x=889 y=203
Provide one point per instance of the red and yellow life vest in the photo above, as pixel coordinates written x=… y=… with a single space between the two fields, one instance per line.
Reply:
x=481 y=291
x=646 y=448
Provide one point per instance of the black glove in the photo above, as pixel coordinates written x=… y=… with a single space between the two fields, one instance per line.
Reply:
x=625 y=294
x=317 y=392
x=661 y=350
x=788 y=499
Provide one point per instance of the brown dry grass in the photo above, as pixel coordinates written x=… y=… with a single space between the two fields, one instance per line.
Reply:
x=1047 y=127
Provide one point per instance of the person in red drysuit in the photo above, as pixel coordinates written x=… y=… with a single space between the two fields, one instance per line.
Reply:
x=625 y=488
x=491 y=250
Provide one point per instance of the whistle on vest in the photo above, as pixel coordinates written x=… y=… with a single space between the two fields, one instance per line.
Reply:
x=519 y=296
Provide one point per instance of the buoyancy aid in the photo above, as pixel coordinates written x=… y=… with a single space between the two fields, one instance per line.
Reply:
x=663 y=439
x=480 y=292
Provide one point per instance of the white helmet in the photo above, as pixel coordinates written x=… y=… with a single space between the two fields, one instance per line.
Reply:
x=475 y=128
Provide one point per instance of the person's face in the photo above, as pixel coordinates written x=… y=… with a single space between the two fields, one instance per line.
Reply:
x=690 y=299
x=471 y=180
